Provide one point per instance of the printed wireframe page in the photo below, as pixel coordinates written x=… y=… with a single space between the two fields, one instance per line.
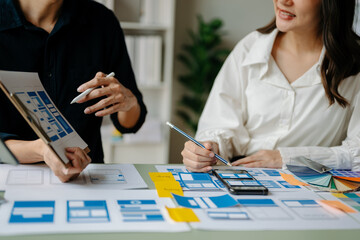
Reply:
x=88 y=211
x=29 y=96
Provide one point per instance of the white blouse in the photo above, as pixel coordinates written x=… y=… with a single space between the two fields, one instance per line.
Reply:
x=253 y=107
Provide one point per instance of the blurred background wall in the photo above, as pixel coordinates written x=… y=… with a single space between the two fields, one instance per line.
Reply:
x=240 y=17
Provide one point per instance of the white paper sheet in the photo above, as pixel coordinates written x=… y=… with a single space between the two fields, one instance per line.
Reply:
x=95 y=176
x=270 y=178
x=29 y=90
x=72 y=211
x=279 y=211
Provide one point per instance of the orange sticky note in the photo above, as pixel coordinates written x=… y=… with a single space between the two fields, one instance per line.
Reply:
x=182 y=214
x=161 y=176
x=164 y=189
x=292 y=180
x=339 y=205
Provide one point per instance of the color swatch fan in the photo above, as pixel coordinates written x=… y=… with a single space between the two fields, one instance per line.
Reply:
x=332 y=180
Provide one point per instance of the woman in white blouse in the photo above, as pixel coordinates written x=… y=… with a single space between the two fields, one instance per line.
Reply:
x=291 y=88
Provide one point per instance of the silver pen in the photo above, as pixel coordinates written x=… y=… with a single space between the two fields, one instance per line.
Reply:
x=196 y=142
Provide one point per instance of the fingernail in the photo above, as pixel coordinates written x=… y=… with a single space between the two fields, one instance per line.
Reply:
x=80 y=89
x=87 y=111
x=65 y=171
x=211 y=154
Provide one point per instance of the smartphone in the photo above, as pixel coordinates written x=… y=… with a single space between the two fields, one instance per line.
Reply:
x=240 y=182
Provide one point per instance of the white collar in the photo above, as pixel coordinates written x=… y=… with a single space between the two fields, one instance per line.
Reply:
x=261 y=49
x=260 y=53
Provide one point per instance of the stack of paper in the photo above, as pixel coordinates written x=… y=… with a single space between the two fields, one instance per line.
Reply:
x=333 y=180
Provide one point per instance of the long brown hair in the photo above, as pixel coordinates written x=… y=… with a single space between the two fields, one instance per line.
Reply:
x=342 y=44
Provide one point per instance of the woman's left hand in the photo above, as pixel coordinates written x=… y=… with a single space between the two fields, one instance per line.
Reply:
x=261 y=159
x=117 y=97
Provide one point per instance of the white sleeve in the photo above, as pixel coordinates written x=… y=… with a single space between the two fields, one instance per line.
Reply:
x=345 y=156
x=223 y=117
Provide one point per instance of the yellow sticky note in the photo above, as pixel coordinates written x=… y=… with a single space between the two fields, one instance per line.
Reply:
x=182 y=215
x=292 y=180
x=339 y=195
x=161 y=176
x=164 y=189
x=339 y=205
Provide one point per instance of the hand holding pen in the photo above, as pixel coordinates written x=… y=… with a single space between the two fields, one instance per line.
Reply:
x=198 y=157
x=115 y=97
x=87 y=91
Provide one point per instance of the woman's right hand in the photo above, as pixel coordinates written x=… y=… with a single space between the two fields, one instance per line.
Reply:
x=198 y=159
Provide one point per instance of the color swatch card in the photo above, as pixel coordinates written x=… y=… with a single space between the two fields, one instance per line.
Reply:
x=86 y=211
x=333 y=181
x=352 y=200
x=346 y=174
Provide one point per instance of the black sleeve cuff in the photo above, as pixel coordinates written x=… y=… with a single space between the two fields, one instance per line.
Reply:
x=139 y=123
x=7 y=136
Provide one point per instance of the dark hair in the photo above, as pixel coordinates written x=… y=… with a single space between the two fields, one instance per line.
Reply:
x=342 y=56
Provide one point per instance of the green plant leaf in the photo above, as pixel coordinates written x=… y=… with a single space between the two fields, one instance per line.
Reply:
x=194 y=103
x=186 y=61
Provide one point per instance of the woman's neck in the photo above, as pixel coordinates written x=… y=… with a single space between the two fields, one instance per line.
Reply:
x=42 y=13
x=299 y=43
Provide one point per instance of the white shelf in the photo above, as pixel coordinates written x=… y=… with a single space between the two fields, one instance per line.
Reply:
x=157 y=97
